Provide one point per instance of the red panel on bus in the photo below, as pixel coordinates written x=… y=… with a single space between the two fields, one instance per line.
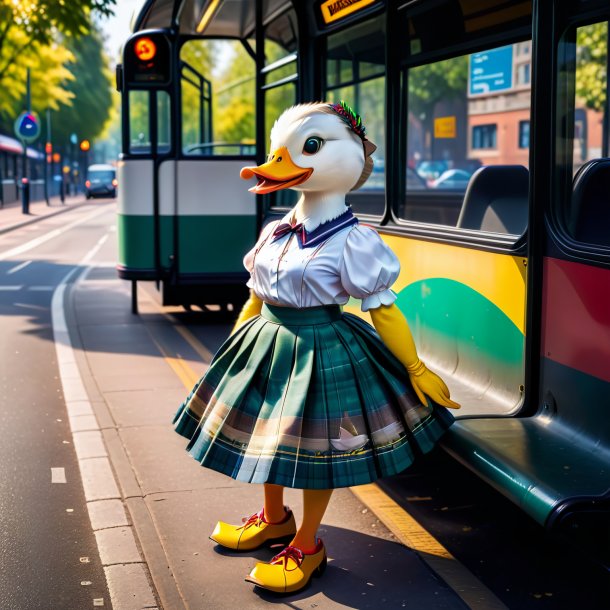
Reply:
x=576 y=316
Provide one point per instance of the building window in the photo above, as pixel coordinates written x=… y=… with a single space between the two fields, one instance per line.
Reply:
x=484 y=136
x=523 y=74
x=524 y=134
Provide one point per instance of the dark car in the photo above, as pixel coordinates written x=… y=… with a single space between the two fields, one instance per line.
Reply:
x=101 y=181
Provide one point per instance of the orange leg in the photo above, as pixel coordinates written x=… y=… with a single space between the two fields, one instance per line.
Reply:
x=274 y=503
x=315 y=502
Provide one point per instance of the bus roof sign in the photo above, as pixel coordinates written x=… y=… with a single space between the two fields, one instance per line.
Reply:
x=333 y=10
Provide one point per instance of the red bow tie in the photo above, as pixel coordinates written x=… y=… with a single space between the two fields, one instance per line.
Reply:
x=285 y=228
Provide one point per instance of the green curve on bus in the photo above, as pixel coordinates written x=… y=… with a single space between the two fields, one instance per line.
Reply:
x=461 y=318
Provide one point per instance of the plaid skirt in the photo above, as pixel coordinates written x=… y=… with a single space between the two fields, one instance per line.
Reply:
x=307 y=398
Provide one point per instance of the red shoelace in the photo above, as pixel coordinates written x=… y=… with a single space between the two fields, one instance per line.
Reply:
x=290 y=552
x=256 y=518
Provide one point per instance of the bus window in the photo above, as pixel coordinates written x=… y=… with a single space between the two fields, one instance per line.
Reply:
x=164 y=122
x=585 y=138
x=139 y=126
x=355 y=72
x=280 y=72
x=218 y=86
x=465 y=113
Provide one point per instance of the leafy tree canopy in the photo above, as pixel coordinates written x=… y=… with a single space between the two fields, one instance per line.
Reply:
x=90 y=102
x=48 y=66
x=591 y=56
x=431 y=83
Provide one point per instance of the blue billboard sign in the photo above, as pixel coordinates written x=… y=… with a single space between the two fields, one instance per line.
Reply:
x=491 y=71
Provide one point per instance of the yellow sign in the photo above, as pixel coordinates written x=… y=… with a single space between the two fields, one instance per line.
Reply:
x=333 y=10
x=445 y=127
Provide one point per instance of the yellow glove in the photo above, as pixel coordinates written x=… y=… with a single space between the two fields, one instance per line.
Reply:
x=252 y=307
x=393 y=329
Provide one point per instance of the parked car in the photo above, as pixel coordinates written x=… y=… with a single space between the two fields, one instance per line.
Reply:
x=431 y=169
x=452 y=179
x=101 y=181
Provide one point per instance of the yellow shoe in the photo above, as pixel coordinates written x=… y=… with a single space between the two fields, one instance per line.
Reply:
x=289 y=571
x=255 y=532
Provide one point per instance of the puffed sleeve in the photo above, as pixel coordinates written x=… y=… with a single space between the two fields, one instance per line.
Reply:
x=368 y=268
x=249 y=258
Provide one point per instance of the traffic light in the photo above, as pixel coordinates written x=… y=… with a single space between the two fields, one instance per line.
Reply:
x=147 y=60
x=85 y=145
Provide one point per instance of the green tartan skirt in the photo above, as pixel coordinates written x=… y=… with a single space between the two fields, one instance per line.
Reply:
x=307 y=398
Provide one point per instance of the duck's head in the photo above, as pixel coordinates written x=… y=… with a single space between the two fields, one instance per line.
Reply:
x=317 y=147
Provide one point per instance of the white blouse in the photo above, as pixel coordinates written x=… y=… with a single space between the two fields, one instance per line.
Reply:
x=353 y=261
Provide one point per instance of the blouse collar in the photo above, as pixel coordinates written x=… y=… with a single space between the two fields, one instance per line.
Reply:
x=308 y=239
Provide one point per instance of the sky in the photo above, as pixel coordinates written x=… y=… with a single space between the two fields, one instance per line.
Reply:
x=116 y=29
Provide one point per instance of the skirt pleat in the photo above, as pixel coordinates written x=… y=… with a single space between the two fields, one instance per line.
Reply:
x=309 y=399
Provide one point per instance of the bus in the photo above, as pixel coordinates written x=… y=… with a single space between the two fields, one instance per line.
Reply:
x=505 y=276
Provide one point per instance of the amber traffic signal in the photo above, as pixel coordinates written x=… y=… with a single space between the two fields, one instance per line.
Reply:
x=85 y=145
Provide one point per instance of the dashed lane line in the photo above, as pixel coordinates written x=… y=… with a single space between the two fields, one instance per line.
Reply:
x=58 y=475
x=124 y=568
x=406 y=529
x=18 y=267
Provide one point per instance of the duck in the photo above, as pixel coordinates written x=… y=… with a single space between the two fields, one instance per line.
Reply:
x=320 y=150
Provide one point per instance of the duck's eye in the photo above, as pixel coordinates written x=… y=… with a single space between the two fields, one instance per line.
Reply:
x=312 y=145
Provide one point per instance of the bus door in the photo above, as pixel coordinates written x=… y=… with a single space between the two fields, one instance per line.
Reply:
x=212 y=212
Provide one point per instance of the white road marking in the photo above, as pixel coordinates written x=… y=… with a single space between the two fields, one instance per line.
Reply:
x=41 y=288
x=58 y=475
x=19 y=267
x=99 y=483
x=34 y=243
x=30 y=306
x=11 y=288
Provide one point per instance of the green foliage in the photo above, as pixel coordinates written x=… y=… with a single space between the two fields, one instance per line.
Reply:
x=199 y=55
x=591 y=54
x=39 y=20
x=235 y=96
x=89 y=109
x=49 y=73
x=431 y=83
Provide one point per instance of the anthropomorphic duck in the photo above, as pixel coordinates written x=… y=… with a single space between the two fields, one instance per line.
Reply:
x=320 y=150
x=302 y=394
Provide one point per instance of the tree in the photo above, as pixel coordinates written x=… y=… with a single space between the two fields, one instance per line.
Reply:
x=48 y=66
x=39 y=21
x=435 y=82
x=591 y=54
x=88 y=108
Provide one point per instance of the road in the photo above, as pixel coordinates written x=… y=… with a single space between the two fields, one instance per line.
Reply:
x=48 y=552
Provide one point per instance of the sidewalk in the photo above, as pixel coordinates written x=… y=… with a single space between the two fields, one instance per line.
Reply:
x=136 y=371
x=11 y=216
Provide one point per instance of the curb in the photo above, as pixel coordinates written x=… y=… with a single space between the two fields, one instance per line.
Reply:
x=127 y=575
x=62 y=210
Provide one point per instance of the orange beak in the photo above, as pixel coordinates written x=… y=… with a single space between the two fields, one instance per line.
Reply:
x=278 y=173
